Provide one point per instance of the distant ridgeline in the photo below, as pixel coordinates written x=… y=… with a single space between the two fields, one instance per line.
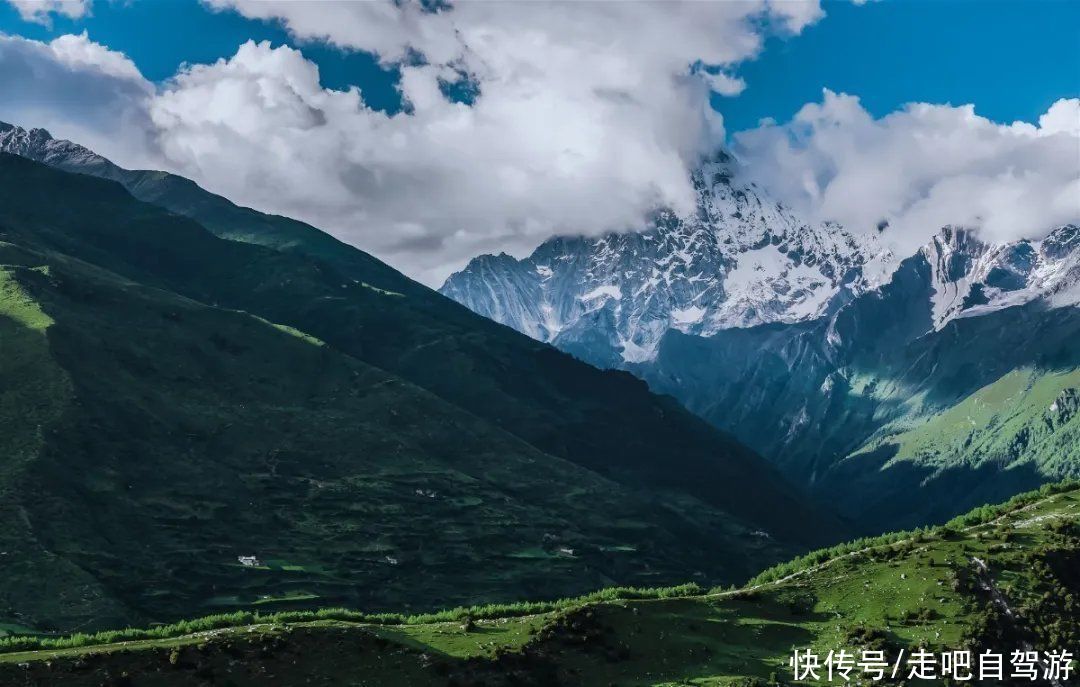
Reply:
x=204 y=408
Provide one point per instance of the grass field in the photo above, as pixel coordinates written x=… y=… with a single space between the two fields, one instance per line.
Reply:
x=1002 y=421
x=910 y=591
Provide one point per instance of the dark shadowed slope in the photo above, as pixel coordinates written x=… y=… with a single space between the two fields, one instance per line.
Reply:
x=605 y=421
x=157 y=426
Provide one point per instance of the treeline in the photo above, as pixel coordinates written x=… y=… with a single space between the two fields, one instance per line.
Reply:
x=975 y=517
x=244 y=618
x=984 y=514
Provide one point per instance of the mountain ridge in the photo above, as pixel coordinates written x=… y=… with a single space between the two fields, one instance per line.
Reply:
x=835 y=401
x=739 y=260
x=98 y=260
x=830 y=382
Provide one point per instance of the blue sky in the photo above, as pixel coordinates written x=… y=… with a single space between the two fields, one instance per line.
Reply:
x=1012 y=59
x=160 y=35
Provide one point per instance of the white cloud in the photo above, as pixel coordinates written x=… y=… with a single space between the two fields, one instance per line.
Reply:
x=501 y=33
x=1062 y=117
x=588 y=115
x=724 y=83
x=80 y=90
x=40 y=11
x=921 y=167
x=78 y=52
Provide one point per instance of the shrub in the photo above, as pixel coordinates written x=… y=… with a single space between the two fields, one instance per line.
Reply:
x=242 y=618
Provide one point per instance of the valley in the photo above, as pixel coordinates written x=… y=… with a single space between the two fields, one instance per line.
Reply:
x=448 y=343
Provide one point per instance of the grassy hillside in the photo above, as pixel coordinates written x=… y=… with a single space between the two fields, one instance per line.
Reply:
x=34 y=391
x=976 y=412
x=156 y=439
x=607 y=422
x=1009 y=413
x=995 y=579
x=1012 y=434
x=171 y=401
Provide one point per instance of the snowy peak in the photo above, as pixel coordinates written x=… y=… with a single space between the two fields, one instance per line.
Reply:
x=971 y=277
x=500 y=290
x=40 y=146
x=739 y=260
x=20 y=141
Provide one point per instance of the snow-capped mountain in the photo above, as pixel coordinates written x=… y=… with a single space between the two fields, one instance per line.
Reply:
x=740 y=260
x=956 y=367
x=970 y=277
x=39 y=145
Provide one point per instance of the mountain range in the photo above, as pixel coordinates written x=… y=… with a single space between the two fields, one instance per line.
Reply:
x=739 y=260
x=207 y=407
x=916 y=386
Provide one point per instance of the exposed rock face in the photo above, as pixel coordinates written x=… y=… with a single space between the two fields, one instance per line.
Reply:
x=39 y=145
x=925 y=385
x=740 y=260
x=970 y=277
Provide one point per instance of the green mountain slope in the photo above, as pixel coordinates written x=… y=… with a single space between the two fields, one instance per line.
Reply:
x=157 y=426
x=910 y=424
x=607 y=422
x=159 y=439
x=995 y=580
x=1026 y=406
x=1013 y=434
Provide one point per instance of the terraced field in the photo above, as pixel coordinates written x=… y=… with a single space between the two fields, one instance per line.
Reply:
x=997 y=578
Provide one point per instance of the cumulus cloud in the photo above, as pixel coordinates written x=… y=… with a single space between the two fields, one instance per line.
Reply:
x=442 y=182
x=41 y=11
x=79 y=53
x=587 y=116
x=493 y=35
x=1062 y=117
x=724 y=83
x=921 y=167
x=80 y=89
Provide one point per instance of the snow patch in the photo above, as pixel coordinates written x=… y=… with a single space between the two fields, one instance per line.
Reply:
x=609 y=291
x=632 y=353
x=685 y=316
